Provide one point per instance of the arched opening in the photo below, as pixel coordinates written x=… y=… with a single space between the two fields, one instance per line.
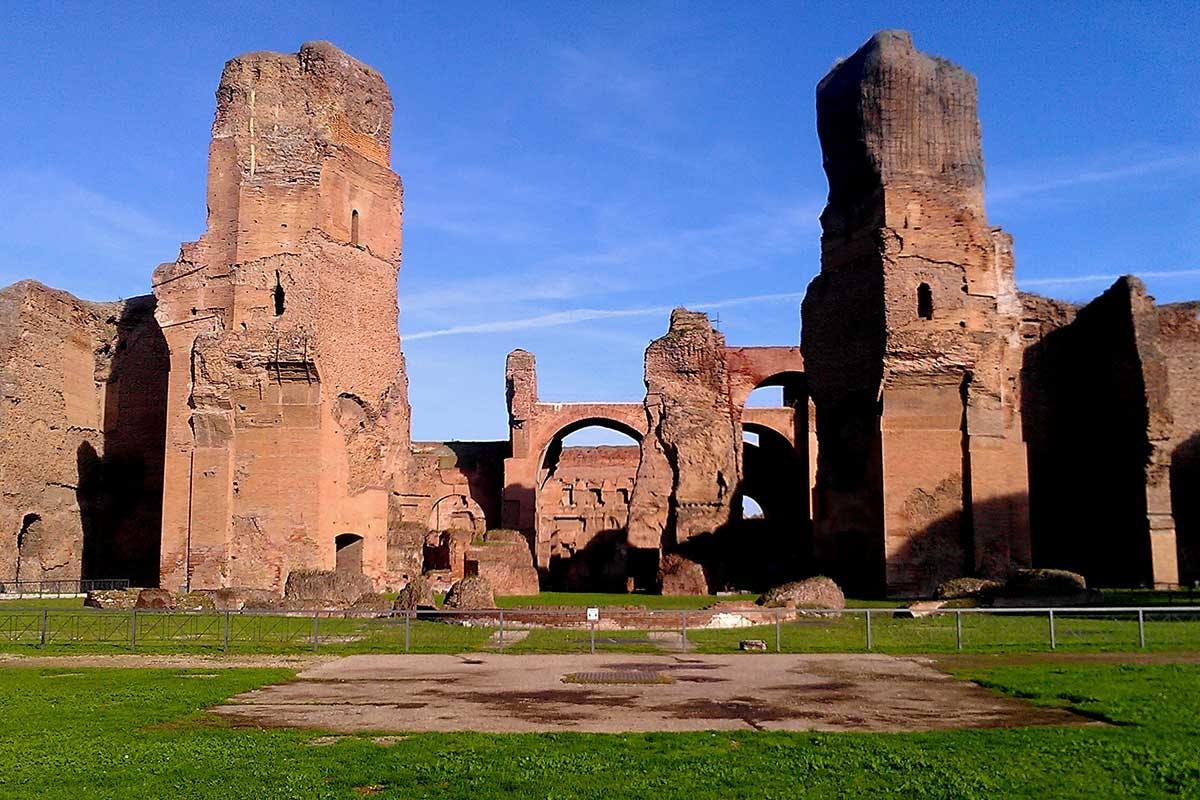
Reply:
x=924 y=301
x=768 y=537
x=348 y=548
x=751 y=509
x=457 y=512
x=766 y=397
x=584 y=487
x=455 y=521
x=354 y=227
x=278 y=295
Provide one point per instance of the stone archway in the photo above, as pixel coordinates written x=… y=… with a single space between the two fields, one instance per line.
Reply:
x=457 y=512
x=582 y=498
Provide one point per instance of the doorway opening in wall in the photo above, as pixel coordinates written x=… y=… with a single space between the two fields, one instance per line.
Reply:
x=277 y=295
x=349 y=553
x=354 y=227
x=584 y=487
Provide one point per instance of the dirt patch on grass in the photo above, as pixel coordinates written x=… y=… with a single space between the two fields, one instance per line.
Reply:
x=527 y=694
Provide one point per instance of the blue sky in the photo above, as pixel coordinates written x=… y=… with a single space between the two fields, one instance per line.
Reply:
x=574 y=170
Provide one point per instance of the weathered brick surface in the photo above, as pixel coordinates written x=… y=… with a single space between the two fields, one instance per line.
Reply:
x=81 y=428
x=1179 y=342
x=1099 y=426
x=288 y=413
x=910 y=333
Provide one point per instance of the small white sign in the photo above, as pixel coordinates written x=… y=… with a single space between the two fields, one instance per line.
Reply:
x=593 y=615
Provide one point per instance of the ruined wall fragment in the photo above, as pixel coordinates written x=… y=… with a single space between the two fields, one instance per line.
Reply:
x=1099 y=424
x=691 y=464
x=583 y=504
x=1179 y=342
x=81 y=431
x=557 y=533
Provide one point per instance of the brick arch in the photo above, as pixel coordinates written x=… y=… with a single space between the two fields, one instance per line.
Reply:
x=626 y=418
x=752 y=367
x=539 y=426
x=776 y=424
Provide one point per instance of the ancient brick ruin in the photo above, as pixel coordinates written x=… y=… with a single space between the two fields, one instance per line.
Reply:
x=250 y=419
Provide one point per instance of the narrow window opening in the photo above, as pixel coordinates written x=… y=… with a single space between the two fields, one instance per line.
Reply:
x=924 y=301
x=354 y=227
x=28 y=522
x=348 y=554
x=278 y=295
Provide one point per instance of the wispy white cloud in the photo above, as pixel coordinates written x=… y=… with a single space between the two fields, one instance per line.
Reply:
x=1021 y=186
x=1068 y=280
x=653 y=260
x=584 y=74
x=35 y=202
x=93 y=244
x=577 y=315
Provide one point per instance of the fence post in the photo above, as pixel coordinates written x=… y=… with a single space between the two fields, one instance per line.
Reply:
x=407 y=617
x=868 y=629
x=225 y=633
x=316 y=630
x=593 y=626
x=1053 y=641
x=683 y=620
x=958 y=628
x=133 y=630
x=44 y=615
x=1141 y=629
x=778 y=647
x=502 y=630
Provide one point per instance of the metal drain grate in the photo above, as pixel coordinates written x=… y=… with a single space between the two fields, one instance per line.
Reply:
x=619 y=676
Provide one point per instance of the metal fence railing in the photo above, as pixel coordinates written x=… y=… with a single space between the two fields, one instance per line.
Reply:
x=61 y=587
x=613 y=630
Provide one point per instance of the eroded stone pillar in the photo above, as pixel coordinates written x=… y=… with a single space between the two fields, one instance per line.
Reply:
x=910 y=332
x=288 y=418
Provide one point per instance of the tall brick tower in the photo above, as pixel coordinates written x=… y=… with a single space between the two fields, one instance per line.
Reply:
x=910 y=336
x=288 y=418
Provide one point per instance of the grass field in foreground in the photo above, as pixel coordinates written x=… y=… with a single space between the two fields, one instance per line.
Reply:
x=90 y=631
x=99 y=733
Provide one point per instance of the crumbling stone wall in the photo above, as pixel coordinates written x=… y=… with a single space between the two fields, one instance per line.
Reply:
x=451 y=497
x=1179 y=343
x=1098 y=422
x=584 y=506
x=689 y=469
x=81 y=432
x=288 y=414
x=910 y=333
x=680 y=485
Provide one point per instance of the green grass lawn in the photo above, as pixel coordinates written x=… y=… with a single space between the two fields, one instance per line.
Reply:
x=89 y=630
x=95 y=733
x=43 y=602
